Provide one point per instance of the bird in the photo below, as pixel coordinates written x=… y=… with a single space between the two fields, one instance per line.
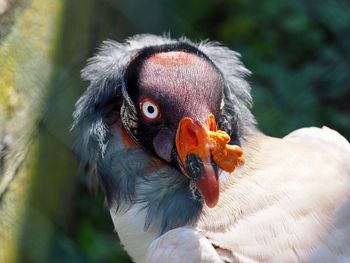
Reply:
x=166 y=125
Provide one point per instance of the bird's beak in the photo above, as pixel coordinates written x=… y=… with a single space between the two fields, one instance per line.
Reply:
x=202 y=148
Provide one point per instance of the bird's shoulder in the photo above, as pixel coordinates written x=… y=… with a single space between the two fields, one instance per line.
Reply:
x=323 y=135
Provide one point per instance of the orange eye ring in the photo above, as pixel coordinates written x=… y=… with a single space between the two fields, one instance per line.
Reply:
x=150 y=110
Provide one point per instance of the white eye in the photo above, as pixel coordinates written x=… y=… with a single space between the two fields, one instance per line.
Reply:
x=149 y=109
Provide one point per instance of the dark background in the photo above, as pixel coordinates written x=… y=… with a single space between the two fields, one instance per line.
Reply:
x=298 y=52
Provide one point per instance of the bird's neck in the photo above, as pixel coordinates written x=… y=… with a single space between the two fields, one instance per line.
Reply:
x=129 y=176
x=145 y=196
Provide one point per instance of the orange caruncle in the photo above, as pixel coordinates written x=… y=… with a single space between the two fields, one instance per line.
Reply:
x=205 y=141
x=226 y=156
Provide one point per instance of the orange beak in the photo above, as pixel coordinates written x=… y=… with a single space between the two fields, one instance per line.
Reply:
x=201 y=148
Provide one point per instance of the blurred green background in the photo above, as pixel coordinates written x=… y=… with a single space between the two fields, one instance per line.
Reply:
x=298 y=51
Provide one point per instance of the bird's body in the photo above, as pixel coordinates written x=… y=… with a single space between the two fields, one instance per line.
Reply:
x=298 y=211
x=289 y=202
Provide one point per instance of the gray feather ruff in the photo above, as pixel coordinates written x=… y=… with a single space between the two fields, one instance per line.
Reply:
x=129 y=175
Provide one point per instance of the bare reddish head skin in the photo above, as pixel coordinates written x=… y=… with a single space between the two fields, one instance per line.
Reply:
x=172 y=59
x=127 y=141
x=175 y=78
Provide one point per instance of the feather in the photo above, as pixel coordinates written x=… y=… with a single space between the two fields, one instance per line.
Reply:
x=182 y=245
x=297 y=210
x=290 y=202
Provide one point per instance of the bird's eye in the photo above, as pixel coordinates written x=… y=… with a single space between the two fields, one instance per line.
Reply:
x=149 y=109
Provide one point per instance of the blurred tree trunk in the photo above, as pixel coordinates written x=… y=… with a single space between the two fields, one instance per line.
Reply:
x=43 y=44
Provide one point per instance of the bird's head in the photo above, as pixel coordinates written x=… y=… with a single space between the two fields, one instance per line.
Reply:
x=175 y=93
x=184 y=103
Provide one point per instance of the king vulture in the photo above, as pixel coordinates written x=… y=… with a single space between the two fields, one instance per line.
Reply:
x=188 y=177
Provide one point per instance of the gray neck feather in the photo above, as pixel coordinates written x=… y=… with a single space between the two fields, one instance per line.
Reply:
x=130 y=175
